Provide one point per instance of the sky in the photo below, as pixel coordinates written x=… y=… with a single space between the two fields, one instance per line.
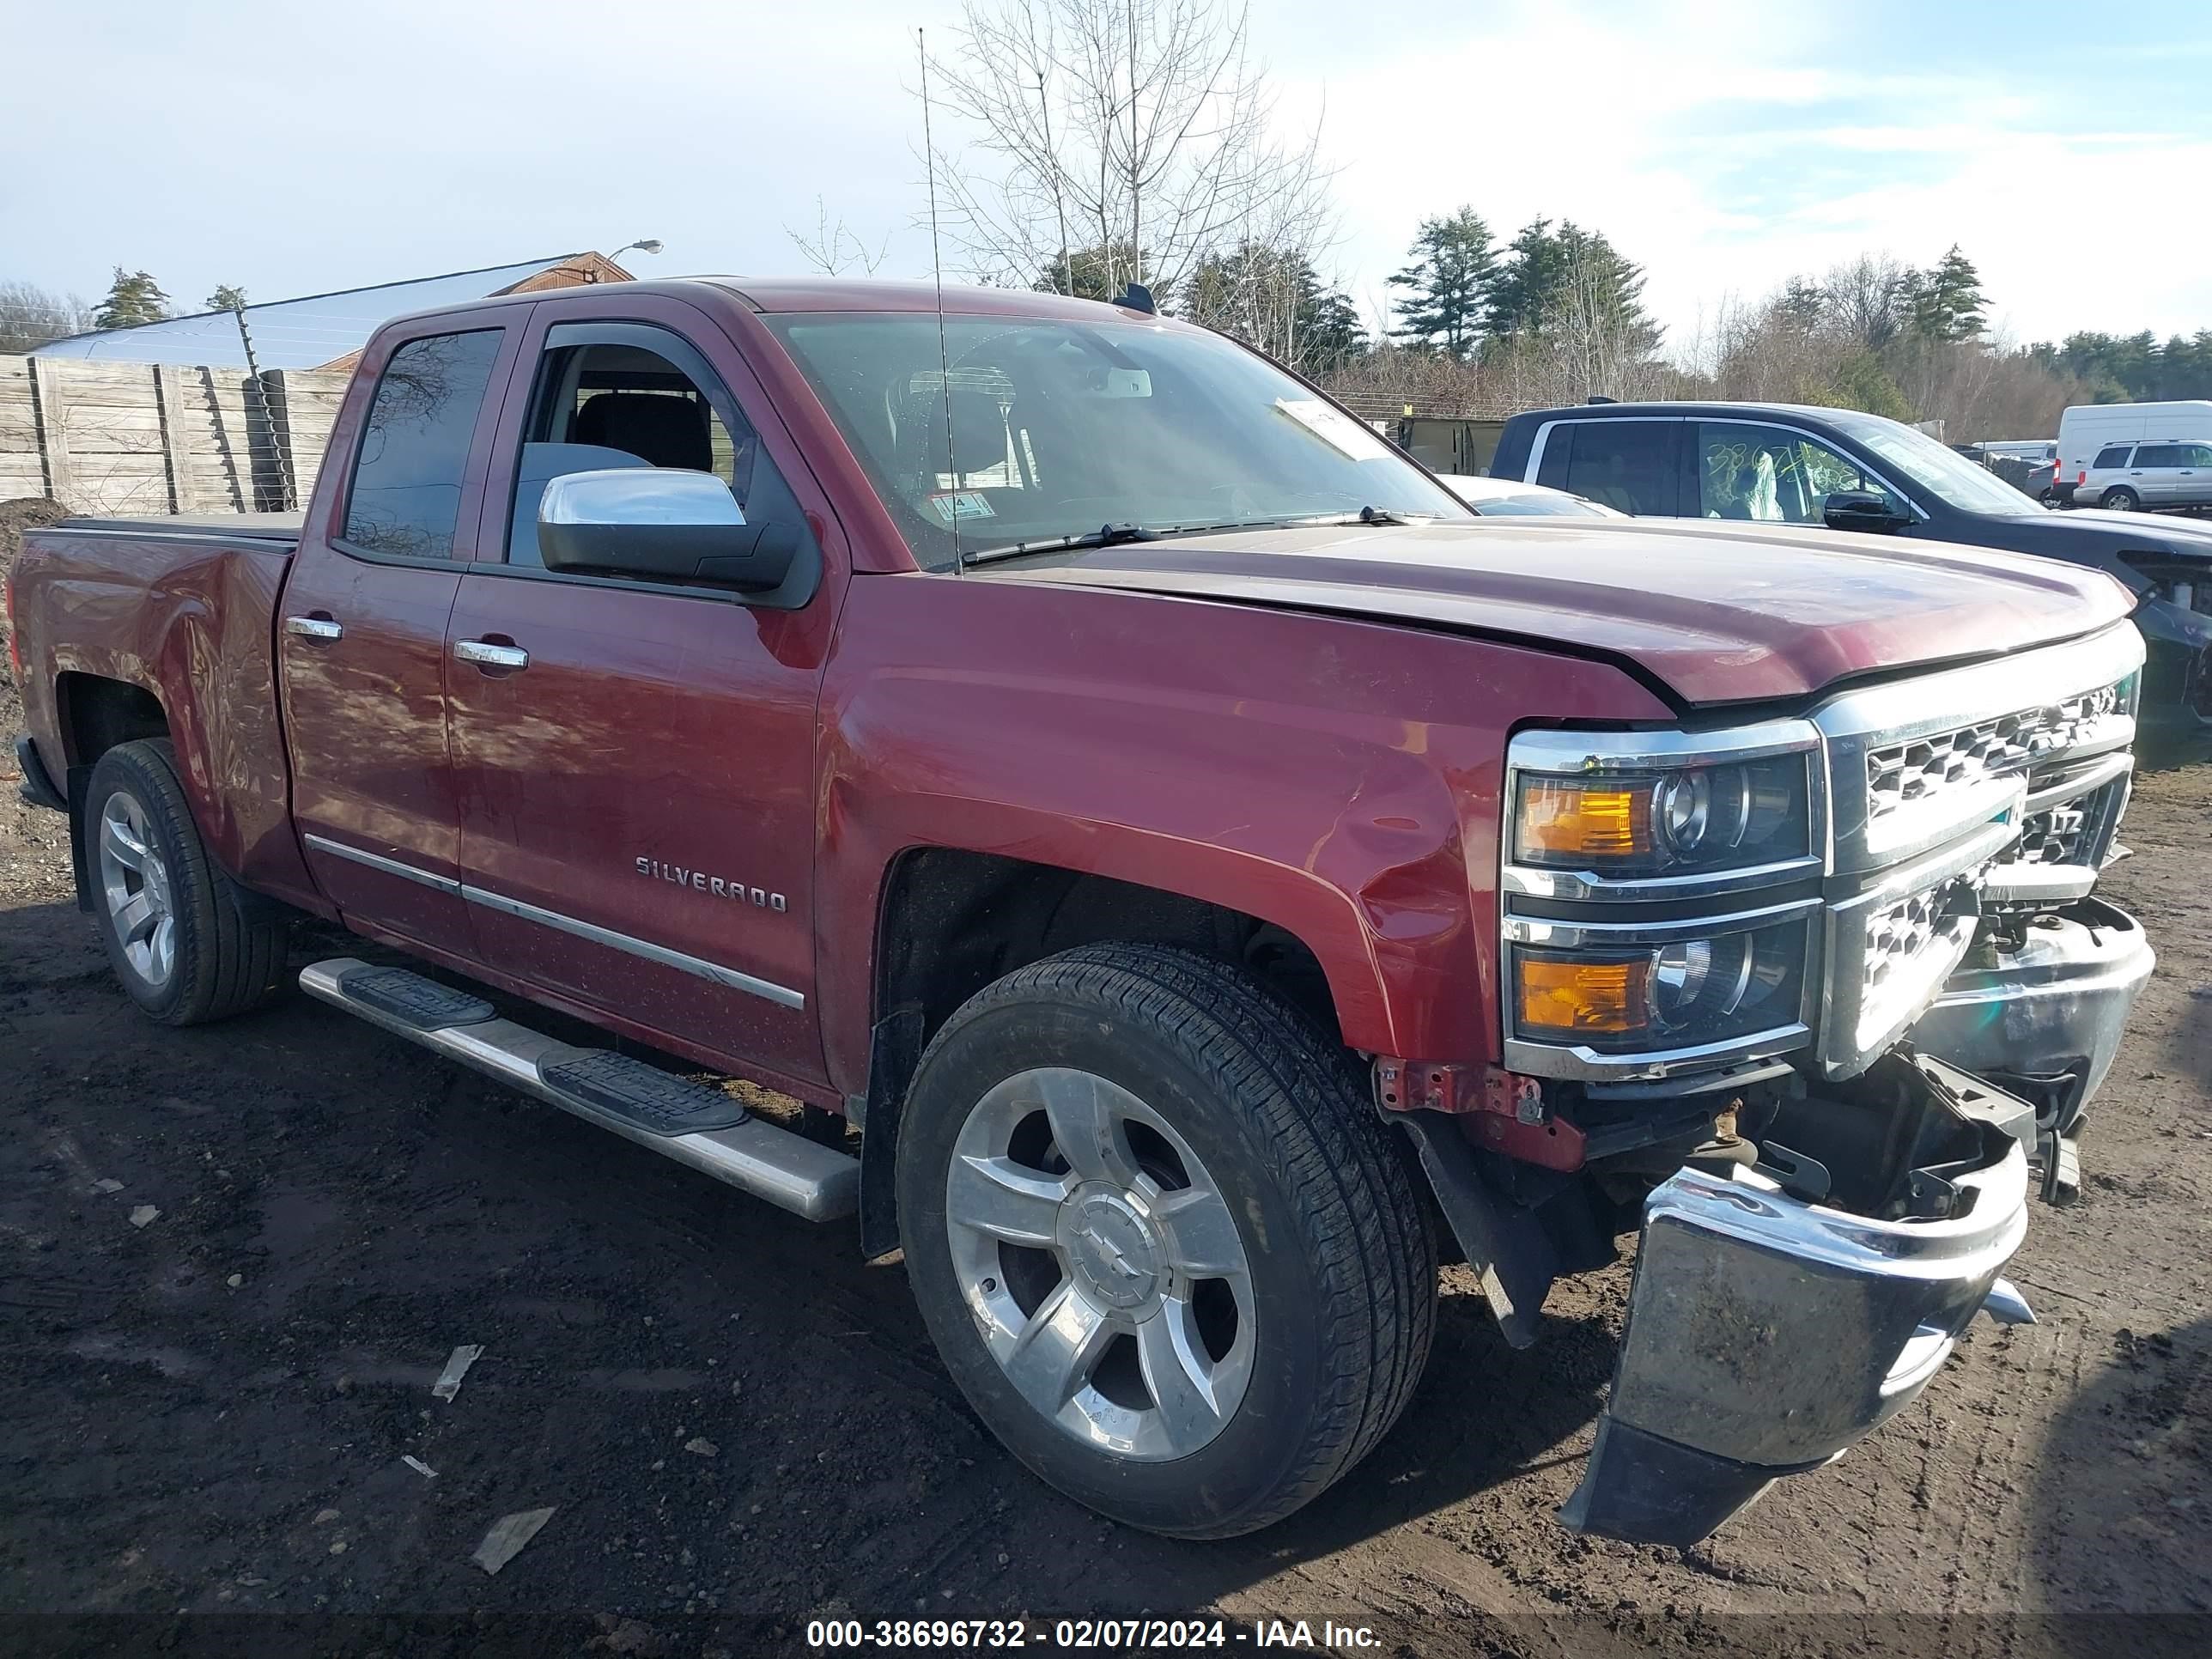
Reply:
x=292 y=149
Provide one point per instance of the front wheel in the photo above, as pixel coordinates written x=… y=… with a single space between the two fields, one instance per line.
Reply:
x=2119 y=501
x=1161 y=1238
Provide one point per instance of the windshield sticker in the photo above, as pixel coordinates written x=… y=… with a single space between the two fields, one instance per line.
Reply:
x=1335 y=427
x=951 y=504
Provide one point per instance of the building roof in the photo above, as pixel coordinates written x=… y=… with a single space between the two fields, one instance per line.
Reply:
x=322 y=329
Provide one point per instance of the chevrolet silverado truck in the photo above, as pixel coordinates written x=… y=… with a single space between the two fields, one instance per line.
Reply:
x=1208 y=869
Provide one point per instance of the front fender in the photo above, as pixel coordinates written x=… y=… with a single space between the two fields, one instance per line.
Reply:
x=1337 y=778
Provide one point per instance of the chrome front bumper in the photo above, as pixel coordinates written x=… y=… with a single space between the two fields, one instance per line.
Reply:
x=1766 y=1334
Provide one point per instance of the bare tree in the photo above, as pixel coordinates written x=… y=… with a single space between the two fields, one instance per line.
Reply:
x=1868 y=299
x=833 y=250
x=1140 y=132
x=31 y=316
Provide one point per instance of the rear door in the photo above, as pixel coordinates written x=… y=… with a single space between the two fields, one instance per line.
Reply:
x=1631 y=465
x=637 y=777
x=361 y=630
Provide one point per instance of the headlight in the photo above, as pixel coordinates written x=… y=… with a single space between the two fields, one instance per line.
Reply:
x=1659 y=897
x=1685 y=993
x=1695 y=818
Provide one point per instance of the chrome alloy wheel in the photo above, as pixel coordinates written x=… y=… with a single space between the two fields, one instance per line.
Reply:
x=134 y=884
x=1101 y=1263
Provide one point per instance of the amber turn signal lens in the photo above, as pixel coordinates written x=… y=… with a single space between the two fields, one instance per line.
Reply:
x=1565 y=996
x=1564 y=819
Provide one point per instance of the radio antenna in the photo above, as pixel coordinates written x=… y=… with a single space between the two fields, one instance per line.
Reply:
x=937 y=275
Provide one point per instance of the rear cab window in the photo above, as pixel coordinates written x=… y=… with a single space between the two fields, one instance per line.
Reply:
x=1627 y=464
x=404 y=498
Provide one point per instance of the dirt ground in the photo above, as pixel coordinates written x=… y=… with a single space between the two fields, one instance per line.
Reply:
x=735 y=1419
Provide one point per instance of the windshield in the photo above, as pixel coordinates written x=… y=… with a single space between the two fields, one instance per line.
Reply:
x=1547 y=506
x=1944 y=472
x=1058 y=428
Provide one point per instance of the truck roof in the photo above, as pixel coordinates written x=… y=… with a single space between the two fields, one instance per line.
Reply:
x=826 y=293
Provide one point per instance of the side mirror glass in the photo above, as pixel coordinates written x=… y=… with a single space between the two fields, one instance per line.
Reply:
x=659 y=524
x=1859 y=509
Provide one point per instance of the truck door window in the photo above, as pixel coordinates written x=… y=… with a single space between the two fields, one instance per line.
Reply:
x=406 y=493
x=2159 y=455
x=1628 y=464
x=610 y=403
x=1771 y=475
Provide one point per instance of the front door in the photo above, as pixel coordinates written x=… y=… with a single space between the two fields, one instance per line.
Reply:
x=362 y=633
x=635 y=760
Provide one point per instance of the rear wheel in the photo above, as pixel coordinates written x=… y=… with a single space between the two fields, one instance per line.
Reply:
x=1161 y=1238
x=181 y=937
x=2119 y=501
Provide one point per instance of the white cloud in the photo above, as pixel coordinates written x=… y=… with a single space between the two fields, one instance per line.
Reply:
x=1646 y=127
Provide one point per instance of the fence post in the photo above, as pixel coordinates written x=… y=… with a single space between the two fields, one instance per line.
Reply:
x=46 y=406
x=169 y=410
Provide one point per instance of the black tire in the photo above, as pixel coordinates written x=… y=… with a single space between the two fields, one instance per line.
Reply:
x=225 y=956
x=1343 y=1265
x=2120 y=501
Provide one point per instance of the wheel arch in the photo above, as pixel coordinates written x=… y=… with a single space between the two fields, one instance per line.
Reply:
x=951 y=920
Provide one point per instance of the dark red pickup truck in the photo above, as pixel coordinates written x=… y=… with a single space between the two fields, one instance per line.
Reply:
x=1207 y=867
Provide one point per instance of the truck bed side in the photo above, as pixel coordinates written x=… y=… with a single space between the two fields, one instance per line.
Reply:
x=112 y=613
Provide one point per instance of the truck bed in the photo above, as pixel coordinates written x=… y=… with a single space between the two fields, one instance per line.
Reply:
x=117 y=615
x=253 y=526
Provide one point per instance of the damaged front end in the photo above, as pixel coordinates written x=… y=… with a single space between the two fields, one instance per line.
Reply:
x=1817 y=1000
x=1782 y=1310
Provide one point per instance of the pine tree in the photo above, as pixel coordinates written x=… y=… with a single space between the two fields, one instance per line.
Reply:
x=1549 y=273
x=1277 y=301
x=1094 y=273
x=1804 y=302
x=226 y=298
x=1946 y=303
x=1448 y=285
x=1535 y=270
x=135 y=298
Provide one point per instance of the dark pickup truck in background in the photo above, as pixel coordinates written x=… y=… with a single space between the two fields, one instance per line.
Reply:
x=1193 y=856
x=1785 y=464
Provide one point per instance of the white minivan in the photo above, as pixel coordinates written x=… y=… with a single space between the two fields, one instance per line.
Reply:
x=2089 y=433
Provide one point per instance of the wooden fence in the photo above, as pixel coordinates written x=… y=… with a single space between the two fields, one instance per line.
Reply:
x=147 y=438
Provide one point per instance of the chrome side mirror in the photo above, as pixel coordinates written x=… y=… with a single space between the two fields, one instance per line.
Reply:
x=659 y=524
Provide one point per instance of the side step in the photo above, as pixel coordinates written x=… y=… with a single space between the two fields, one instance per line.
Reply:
x=687 y=1121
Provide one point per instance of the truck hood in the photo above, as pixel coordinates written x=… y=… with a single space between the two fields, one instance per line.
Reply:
x=1716 y=612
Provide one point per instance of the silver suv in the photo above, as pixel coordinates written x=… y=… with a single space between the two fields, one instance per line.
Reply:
x=2125 y=477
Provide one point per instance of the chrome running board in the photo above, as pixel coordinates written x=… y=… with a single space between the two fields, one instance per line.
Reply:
x=788 y=1170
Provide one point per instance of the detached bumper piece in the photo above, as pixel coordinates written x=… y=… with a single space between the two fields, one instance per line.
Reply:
x=2042 y=1014
x=1780 y=1312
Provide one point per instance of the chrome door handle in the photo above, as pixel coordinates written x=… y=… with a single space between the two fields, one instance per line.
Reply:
x=314 y=628
x=485 y=654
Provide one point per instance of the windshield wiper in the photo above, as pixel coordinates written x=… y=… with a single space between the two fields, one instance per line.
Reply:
x=1114 y=535
x=1106 y=535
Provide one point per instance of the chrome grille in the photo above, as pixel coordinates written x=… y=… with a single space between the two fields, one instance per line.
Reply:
x=1901 y=774
x=1897 y=936
x=2053 y=837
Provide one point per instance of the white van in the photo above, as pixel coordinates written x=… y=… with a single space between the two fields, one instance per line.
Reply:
x=2087 y=430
